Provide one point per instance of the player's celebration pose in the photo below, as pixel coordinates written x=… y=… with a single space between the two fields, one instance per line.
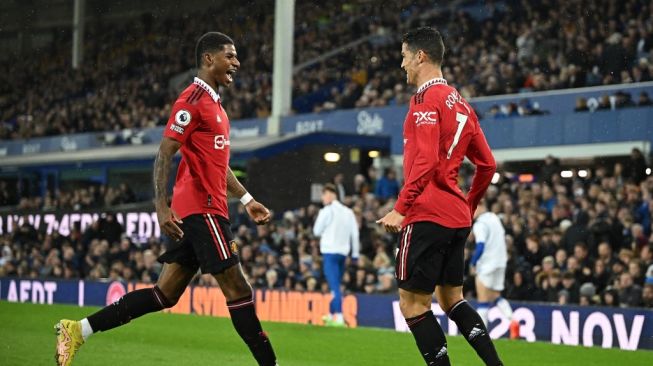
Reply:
x=198 y=218
x=432 y=213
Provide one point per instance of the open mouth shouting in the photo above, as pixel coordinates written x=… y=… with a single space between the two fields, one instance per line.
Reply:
x=230 y=74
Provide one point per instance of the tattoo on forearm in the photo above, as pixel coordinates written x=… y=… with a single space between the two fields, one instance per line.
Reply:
x=161 y=175
x=233 y=185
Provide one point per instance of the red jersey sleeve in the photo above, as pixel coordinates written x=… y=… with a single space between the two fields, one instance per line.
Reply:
x=184 y=118
x=427 y=140
x=478 y=152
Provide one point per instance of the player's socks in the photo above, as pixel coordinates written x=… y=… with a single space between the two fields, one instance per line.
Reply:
x=430 y=339
x=482 y=309
x=471 y=326
x=504 y=307
x=128 y=307
x=338 y=318
x=87 y=330
x=243 y=316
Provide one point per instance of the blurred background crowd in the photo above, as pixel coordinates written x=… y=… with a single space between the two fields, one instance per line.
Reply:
x=573 y=240
x=127 y=79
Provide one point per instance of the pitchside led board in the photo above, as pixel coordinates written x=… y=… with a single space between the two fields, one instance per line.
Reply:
x=627 y=329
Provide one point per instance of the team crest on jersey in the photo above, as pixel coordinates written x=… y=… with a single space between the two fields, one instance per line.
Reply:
x=233 y=246
x=425 y=118
x=219 y=119
x=183 y=117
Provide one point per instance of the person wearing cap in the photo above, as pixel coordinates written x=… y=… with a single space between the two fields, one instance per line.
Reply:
x=337 y=228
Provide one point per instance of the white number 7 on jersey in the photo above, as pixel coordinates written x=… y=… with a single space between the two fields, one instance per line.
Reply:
x=462 y=119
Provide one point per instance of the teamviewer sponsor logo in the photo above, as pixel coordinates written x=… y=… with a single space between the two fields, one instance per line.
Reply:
x=179 y=130
x=425 y=118
x=219 y=142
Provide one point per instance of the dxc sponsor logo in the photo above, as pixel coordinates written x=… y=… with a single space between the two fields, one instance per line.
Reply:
x=425 y=118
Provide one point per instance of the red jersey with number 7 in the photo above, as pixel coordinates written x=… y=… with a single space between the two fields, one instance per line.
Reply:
x=201 y=125
x=440 y=130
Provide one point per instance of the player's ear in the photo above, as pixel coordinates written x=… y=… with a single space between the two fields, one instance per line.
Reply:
x=208 y=58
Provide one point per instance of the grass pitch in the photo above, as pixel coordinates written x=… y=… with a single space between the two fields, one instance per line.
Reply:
x=27 y=338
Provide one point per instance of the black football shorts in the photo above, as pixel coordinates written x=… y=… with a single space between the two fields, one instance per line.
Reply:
x=429 y=255
x=208 y=244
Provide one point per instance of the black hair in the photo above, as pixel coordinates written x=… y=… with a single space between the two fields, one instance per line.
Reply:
x=428 y=40
x=210 y=42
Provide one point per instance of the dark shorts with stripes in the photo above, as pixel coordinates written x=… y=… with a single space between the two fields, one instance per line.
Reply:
x=208 y=244
x=429 y=255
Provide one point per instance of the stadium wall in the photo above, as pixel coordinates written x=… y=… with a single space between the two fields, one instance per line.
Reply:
x=626 y=329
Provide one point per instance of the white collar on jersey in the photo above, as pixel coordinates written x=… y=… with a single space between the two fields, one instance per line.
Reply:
x=202 y=84
x=431 y=82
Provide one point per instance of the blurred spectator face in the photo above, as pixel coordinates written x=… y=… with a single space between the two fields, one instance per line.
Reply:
x=580 y=252
x=271 y=278
x=625 y=255
x=561 y=257
x=547 y=264
x=625 y=280
x=634 y=269
x=517 y=279
x=328 y=197
x=647 y=295
x=599 y=267
x=605 y=252
x=572 y=264
x=532 y=245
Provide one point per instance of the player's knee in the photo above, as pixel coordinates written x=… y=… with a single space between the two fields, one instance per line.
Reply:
x=166 y=298
x=236 y=289
x=411 y=306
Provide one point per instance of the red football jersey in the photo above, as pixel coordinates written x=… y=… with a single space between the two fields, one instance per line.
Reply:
x=440 y=129
x=201 y=125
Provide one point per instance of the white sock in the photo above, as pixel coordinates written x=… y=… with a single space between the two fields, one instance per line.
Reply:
x=86 y=328
x=504 y=307
x=482 y=312
x=337 y=317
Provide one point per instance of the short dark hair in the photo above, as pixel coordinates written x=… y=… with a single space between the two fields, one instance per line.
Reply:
x=210 y=42
x=330 y=187
x=428 y=40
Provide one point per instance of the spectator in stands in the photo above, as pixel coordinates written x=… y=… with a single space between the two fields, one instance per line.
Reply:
x=644 y=100
x=388 y=186
x=630 y=293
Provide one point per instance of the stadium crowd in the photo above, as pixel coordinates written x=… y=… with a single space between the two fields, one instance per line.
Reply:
x=505 y=47
x=90 y=196
x=570 y=240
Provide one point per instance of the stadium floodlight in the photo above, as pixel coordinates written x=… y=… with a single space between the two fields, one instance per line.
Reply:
x=495 y=178
x=582 y=173
x=566 y=174
x=374 y=154
x=332 y=157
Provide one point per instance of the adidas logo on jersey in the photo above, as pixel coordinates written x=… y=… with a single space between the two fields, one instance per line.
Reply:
x=474 y=333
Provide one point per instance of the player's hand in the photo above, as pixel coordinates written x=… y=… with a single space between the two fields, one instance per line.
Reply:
x=257 y=212
x=392 y=221
x=169 y=223
x=472 y=270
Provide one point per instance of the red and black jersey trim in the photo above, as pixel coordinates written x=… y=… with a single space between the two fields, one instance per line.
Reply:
x=195 y=95
x=419 y=97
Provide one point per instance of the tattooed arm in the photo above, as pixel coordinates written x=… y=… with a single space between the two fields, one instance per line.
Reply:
x=234 y=186
x=168 y=220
